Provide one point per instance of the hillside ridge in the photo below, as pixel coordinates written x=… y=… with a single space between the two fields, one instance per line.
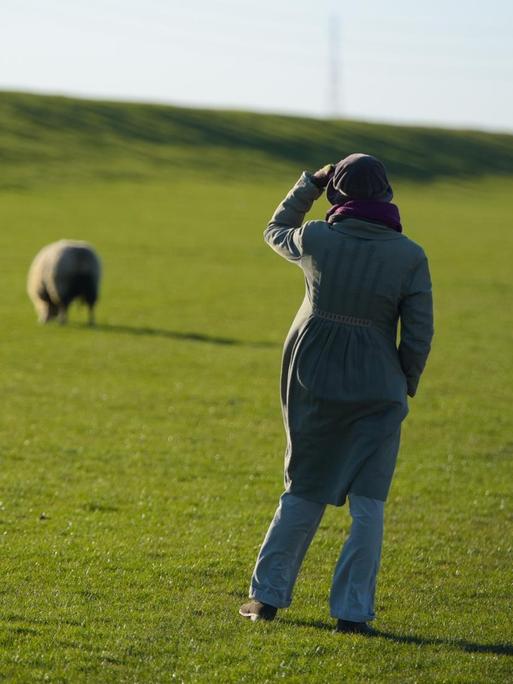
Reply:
x=45 y=138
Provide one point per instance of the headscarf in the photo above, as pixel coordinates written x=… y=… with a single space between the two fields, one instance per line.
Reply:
x=359 y=188
x=359 y=176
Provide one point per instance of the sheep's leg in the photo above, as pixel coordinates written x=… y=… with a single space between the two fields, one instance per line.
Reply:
x=92 y=320
x=63 y=315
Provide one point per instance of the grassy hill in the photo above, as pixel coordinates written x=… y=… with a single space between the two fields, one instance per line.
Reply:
x=142 y=459
x=45 y=139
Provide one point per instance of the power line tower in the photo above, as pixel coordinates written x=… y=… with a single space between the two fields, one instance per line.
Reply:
x=334 y=57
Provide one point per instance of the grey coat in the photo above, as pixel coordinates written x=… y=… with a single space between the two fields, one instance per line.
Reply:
x=344 y=380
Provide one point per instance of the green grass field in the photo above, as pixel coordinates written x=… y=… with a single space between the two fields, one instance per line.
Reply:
x=142 y=459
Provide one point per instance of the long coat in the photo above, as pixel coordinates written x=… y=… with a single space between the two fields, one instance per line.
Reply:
x=344 y=379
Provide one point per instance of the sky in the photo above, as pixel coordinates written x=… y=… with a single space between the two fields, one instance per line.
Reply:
x=442 y=63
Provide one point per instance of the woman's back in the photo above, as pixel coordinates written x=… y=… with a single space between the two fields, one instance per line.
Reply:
x=359 y=269
x=357 y=275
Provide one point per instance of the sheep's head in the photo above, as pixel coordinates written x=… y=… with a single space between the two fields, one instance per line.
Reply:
x=48 y=312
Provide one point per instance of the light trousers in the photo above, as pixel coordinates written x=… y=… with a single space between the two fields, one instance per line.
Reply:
x=292 y=529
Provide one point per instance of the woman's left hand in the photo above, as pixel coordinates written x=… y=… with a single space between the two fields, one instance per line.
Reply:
x=322 y=176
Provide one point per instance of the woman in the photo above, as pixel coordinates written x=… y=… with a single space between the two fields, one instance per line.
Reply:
x=344 y=380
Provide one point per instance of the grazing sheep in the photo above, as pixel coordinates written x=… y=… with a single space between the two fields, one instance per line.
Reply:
x=61 y=272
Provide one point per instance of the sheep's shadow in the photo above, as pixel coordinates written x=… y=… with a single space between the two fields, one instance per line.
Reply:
x=462 y=644
x=174 y=335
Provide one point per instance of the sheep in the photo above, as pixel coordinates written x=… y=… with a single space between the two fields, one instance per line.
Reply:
x=61 y=272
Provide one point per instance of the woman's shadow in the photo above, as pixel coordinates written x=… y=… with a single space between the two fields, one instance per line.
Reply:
x=462 y=644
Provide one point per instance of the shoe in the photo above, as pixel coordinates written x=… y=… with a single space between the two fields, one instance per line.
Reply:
x=355 y=628
x=256 y=610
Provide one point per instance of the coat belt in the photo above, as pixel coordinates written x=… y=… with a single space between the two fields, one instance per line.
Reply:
x=341 y=318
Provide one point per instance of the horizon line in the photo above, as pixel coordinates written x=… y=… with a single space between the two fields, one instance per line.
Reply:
x=121 y=99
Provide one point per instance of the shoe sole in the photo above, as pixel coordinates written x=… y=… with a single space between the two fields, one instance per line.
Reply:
x=254 y=617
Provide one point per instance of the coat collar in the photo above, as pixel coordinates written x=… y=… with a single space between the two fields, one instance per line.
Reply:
x=366 y=230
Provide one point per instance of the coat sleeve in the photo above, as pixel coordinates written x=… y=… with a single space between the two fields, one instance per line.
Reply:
x=416 y=313
x=285 y=230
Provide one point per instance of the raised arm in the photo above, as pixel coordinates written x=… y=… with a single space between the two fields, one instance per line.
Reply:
x=285 y=230
x=416 y=312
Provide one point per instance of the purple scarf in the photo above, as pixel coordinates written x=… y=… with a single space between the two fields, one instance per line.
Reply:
x=370 y=210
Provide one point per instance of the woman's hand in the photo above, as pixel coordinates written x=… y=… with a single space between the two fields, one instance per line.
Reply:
x=322 y=177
